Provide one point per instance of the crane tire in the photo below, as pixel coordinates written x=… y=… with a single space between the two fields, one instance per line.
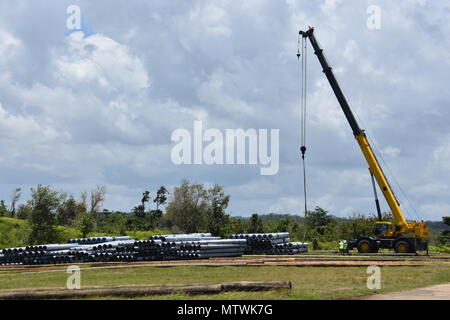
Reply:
x=402 y=247
x=365 y=246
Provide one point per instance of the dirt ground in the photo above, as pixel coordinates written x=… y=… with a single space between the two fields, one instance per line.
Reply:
x=249 y=261
x=437 y=292
x=253 y=261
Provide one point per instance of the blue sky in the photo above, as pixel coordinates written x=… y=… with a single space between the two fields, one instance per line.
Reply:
x=79 y=110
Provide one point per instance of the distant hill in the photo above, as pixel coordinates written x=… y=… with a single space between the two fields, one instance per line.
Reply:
x=433 y=225
x=437 y=225
x=273 y=217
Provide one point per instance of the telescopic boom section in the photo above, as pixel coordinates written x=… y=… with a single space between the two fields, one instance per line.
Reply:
x=359 y=134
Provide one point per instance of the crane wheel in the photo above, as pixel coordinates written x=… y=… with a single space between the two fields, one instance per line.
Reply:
x=365 y=246
x=402 y=247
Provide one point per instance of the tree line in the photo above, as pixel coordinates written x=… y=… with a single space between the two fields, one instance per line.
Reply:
x=190 y=207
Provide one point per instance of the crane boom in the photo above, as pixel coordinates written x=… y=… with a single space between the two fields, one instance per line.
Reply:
x=419 y=229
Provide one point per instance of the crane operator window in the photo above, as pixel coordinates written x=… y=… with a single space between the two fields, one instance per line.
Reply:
x=381 y=229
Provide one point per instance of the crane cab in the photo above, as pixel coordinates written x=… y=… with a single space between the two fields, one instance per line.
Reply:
x=387 y=230
x=384 y=229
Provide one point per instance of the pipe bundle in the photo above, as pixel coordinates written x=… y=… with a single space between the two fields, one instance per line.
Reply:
x=157 y=248
x=212 y=248
x=185 y=237
x=271 y=243
x=93 y=240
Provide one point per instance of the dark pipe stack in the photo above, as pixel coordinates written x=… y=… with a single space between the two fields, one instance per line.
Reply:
x=157 y=248
x=212 y=248
x=271 y=243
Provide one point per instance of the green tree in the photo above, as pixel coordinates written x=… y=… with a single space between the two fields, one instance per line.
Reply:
x=255 y=224
x=145 y=198
x=86 y=223
x=356 y=226
x=316 y=221
x=289 y=224
x=68 y=211
x=154 y=218
x=3 y=210
x=139 y=211
x=284 y=224
x=236 y=226
x=23 y=212
x=187 y=210
x=217 y=203
x=161 y=197
x=44 y=203
x=114 y=223
x=444 y=236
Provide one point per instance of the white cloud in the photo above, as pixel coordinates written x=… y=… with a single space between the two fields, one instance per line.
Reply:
x=211 y=19
x=26 y=129
x=287 y=205
x=219 y=91
x=9 y=45
x=441 y=155
x=351 y=51
x=329 y=5
x=80 y=111
x=433 y=211
x=101 y=60
x=391 y=152
x=258 y=188
x=431 y=189
x=324 y=111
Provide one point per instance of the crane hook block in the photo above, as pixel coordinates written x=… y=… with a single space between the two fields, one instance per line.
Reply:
x=303 y=150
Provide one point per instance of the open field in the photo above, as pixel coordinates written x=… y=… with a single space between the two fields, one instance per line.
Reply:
x=310 y=275
x=13 y=233
x=315 y=275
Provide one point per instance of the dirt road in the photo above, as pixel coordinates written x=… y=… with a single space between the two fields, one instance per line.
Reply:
x=242 y=261
x=437 y=292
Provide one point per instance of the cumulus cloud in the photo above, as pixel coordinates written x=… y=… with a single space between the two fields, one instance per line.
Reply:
x=218 y=92
x=8 y=45
x=101 y=60
x=98 y=109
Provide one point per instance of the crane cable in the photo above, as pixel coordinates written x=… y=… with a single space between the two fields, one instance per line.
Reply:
x=303 y=55
x=411 y=214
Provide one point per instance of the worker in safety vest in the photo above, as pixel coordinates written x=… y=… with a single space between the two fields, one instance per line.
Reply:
x=341 y=247
x=345 y=250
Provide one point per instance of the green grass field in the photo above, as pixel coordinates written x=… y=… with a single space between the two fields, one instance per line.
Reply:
x=13 y=233
x=307 y=282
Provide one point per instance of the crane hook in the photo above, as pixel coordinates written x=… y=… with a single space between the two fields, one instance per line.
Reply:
x=303 y=150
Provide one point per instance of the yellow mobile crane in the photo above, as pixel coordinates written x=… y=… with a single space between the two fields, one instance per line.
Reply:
x=404 y=236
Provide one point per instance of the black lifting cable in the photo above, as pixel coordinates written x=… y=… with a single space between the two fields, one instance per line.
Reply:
x=303 y=55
